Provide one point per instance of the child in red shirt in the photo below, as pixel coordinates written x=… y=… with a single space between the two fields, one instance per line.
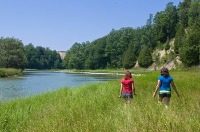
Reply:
x=127 y=89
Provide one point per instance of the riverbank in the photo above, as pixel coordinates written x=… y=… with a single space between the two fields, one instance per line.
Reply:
x=118 y=72
x=99 y=73
x=9 y=72
x=96 y=107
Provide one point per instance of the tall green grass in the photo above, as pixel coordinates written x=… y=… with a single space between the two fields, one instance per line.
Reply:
x=6 y=72
x=96 y=107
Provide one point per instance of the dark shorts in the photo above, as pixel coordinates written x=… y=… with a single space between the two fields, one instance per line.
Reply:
x=127 y=95
x=162 y=95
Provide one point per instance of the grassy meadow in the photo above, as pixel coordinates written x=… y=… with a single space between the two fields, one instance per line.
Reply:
x=97 y=108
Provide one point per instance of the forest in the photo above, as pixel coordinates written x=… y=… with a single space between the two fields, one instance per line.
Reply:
x=124 y=47
x=13 y=54
x=121 y=48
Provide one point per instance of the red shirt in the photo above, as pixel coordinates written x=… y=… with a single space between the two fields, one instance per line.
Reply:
x=127 y=85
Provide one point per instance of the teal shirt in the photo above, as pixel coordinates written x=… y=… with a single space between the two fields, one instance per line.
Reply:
x=165 y=84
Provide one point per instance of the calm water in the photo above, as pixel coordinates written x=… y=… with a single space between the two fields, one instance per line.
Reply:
x=32 y=83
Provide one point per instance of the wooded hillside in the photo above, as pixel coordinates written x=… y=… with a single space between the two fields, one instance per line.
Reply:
x=125 y=47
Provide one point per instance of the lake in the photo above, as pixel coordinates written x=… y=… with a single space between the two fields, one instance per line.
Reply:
x=37 y=82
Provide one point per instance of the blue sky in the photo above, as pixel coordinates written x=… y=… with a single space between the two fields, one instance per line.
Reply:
x=58 y=24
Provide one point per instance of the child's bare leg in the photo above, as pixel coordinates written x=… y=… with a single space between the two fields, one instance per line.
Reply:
x=129 y=100
x=167 y=100
x=160 y=100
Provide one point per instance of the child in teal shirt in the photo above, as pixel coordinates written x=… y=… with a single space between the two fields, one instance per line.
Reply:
x=164 y=82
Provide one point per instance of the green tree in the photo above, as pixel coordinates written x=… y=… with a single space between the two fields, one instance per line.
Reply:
x=66 y=60
x=77 y=56
x=165 y=23
x=12 y=53
x=113 y=48
x=194 y=15
x=190 y=51
x=149 y=33
x=54 y=60
x=179 y=38
x=160 y=26
x=137 y=41
x=97 y=56
x=172 y=19
x=183 y=12
x=42 y=58
x=145 y=57
x=116 y=44
x=2 y=53
x=129 y=59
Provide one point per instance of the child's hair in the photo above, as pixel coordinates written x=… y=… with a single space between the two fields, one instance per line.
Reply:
x=164 y=71
x=127 y=75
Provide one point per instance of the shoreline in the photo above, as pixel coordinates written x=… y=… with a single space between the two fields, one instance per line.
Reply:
x=98 y=73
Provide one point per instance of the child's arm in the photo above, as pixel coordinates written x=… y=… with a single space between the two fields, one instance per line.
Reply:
x=157 y=87
x=174 y=87
x=133 y=89
x=121 y=89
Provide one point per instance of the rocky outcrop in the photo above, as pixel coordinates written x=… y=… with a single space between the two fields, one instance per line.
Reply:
x=165 y=58
x=62 y=54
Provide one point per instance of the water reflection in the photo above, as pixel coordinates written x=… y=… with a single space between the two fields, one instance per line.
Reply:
x=32 y=83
